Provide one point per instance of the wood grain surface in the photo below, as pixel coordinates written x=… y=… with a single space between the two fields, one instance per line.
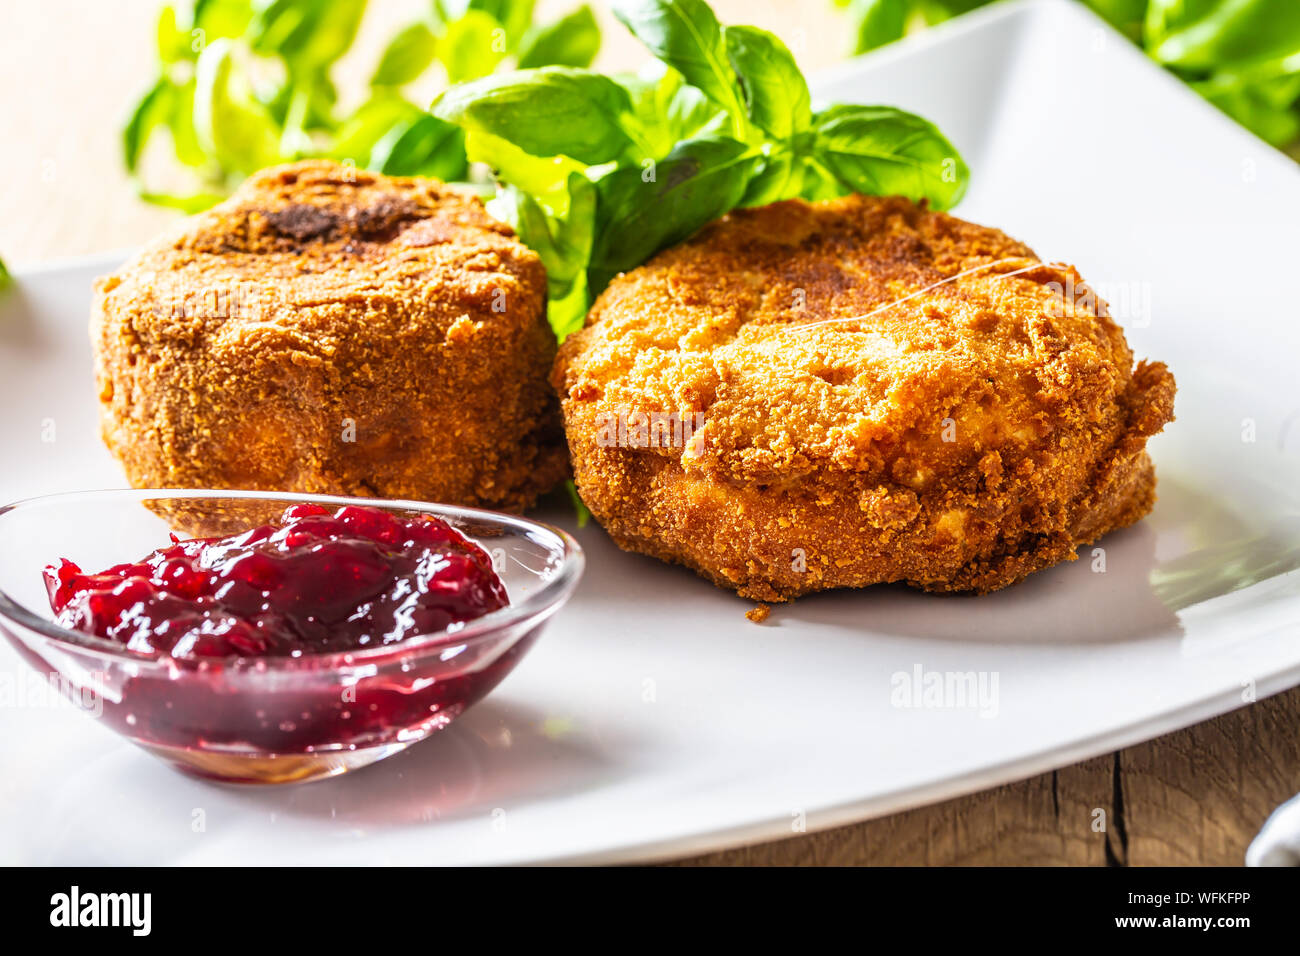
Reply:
x=69 y=72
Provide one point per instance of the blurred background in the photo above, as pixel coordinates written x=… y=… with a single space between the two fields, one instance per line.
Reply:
x=76 y=72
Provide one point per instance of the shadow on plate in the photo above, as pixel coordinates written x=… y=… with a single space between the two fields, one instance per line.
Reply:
x=1072 y=603
x=1215 y=552
x=1191 y=549
x=22 y=327
x=498 y=755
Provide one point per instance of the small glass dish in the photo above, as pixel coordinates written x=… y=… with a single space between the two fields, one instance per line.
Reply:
x=268 y=719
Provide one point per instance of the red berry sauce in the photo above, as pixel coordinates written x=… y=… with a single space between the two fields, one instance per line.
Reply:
x=318 y=582
x=238 y=625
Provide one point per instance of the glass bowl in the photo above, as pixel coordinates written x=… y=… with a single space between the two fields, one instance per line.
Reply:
x=269 y=719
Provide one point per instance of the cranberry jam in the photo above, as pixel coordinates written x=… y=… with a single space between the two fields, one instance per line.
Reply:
x=318 y=582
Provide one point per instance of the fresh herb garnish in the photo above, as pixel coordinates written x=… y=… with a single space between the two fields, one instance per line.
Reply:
x=1241 y=55
x=580 y=507
x=597 y=173
x=244 y=84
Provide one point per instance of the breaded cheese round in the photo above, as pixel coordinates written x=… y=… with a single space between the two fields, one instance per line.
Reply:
x=808 y=396
x=332 y=330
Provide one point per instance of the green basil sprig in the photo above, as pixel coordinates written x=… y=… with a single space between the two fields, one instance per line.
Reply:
x=598 y=173
x=244 y=84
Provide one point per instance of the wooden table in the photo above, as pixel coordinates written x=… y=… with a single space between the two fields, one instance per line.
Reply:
x=68 y=73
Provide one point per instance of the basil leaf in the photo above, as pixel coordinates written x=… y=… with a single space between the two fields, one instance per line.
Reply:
x=884 y=151
x=562 y=242
x=526 y=217
x=306 y=33
x=697 y=182
x=185 y=141
x=310 y=92
x=172 y=37
x=574 y=242
x=1221 y=34
x=230 y=125
x=407 y=55
x=472 y=46
x=583 y=512
x=171 y=105
x=667 y=110
x=295 y=141
x=543 y=178
x=574 y=236
x=878 y=22
x=368 y=124
x=551 y=111
x=185 y=28
x=571 y=40
x=153 y=110
x=6 y=279
x=776 y=94
x=819 y=182
x=280 y=26
x=221 y=18
x=685 y=34
x=425 y=147
x=188 y=204
x=334 y=33
x=937 y=11
x=779 y=175
x=514 y=15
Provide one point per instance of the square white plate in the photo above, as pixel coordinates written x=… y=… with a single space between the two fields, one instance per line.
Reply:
x=653 y=719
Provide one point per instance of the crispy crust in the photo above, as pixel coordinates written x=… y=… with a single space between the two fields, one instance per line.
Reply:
x=335 y=331
x=958 y=440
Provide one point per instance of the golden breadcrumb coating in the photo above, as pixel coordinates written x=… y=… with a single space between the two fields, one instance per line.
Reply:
x=334 y=331
x=953 y=435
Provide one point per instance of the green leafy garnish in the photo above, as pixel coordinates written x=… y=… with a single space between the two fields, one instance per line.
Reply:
x=244 y=84
x=584 y=513
x=230 y=124
x=426 y=146
x=879 y=22
x=698 y=181
x=546 y=112
x=598 y=173
x=6 y=280
x=471 y=46
x=407 y=55
x=572 y=40
x=883 y=151
x=687 y=37
x=1241 y=55
x=775 y=93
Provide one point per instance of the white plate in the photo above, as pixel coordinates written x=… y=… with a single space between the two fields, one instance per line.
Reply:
x=654 y=720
